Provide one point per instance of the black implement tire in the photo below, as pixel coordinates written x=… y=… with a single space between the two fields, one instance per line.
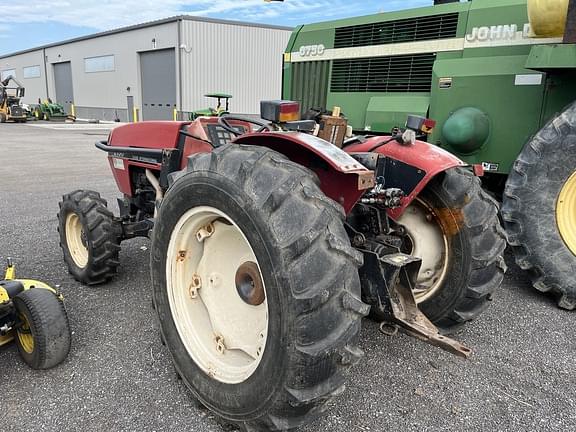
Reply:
x=541 y=171
x=100 y=235
x=468 y=220
x=46 y=322
x=311 y=276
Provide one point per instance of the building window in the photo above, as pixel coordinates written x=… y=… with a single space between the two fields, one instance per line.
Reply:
x=32 y=72
x=6 y=73
x=99 y=64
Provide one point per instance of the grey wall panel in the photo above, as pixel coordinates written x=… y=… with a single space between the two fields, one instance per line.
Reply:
x=35 y=87
x=243 y=61
x=110 y=89
x=108 y=114
x=158 y=78
x=63 y=85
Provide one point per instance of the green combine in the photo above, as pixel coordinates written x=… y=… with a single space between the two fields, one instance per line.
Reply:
x=499 y=76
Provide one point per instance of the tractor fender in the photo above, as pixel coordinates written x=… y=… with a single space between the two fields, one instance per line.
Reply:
x=409 y=167
x=342 y=178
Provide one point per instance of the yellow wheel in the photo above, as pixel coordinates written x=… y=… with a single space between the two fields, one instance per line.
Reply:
x=539 y=208
x=25 y=337
x=566 y=213
x=43 y=337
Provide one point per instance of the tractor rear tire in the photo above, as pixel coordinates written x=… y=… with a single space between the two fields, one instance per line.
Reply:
x=44 y=338
x=539 y=208
x=458 y=287
x=305 y=263
x=89 y=237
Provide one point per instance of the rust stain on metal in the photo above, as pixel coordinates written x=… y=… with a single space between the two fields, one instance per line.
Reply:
x=451 y=220
x=366 y=180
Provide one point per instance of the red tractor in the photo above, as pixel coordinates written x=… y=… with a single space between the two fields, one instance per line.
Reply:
x=270 y=244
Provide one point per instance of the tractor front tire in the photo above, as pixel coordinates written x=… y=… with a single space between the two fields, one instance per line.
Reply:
x=453 y=226
x=539 y=208
x=89 y=237
x=256 y=287
x=2 y=118
x=43 y=339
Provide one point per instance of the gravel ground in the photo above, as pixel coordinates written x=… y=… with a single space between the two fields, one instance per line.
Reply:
x=119 y=377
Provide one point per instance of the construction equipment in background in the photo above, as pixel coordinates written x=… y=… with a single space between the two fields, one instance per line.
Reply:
x=10 y=109
x=499 y=77
x=51 y=111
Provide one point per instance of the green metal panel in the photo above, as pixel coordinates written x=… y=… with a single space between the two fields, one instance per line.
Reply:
x=491 y=86
x=544 y=57
x=310 y=83
x=560 y=91
x=386 y=112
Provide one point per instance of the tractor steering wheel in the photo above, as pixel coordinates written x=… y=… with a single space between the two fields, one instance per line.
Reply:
x=223 y=121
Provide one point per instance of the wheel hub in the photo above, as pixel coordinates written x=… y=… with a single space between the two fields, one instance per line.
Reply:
x=566 y=213
x=217 y=295
x=249 y=284
x=25 y=337
x=76 y=240
x=427 y=241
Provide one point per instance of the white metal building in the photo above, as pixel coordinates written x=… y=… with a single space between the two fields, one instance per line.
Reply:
x=155 y=67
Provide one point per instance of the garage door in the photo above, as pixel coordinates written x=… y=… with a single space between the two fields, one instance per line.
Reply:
x=158 y=69
x=63 y=84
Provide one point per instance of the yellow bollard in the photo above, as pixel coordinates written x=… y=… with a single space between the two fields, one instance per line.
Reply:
x=175 y=114
x=134 y=114
x=73 y=110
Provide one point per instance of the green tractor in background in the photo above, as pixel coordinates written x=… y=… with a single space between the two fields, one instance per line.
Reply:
x=51 y=111
x=499 y=77
x=214 y=112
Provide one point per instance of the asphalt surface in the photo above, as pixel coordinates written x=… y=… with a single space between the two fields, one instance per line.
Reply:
x=118 y=376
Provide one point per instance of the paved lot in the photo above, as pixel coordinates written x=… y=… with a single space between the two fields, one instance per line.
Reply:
x=118 y=377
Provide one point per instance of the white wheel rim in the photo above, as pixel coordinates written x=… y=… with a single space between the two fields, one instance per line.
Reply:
x=224 y=335
x=429 y=243
x=75 y=241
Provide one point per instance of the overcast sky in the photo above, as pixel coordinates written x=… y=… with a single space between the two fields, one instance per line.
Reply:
x=26 y=24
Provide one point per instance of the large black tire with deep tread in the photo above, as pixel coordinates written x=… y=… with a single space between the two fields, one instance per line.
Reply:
x=469 y=217
x=102 y=235
x=48 y=320
x=529 y=208
x=311 y=277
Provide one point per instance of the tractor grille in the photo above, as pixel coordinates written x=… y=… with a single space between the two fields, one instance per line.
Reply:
x=310 y=84
x=406 y=73
x=406 y=30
